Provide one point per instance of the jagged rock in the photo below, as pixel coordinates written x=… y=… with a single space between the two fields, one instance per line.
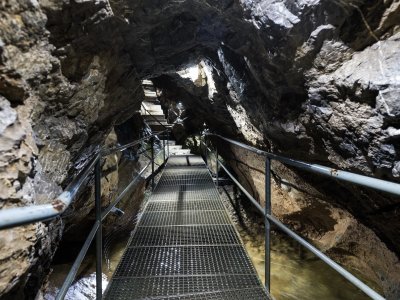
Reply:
x=55 y=105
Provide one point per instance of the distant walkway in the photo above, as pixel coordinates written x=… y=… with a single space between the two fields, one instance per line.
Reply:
x=185 y=245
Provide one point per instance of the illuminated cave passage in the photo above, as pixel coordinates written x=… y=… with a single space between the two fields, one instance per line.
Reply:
x=313 y=80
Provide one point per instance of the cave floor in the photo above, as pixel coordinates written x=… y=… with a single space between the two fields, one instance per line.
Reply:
x=185 y=245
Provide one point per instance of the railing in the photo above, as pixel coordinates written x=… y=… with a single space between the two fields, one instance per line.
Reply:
x=24 y=215
x=374 y=183
x=166 y=130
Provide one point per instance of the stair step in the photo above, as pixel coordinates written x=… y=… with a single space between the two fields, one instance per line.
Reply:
x=150 y=94
x=148 y=104
x=150 y=88
x=153 y=122
x=147 y=82
x=152 y=107
x=175 y=147
x=164 y=136
x=152 y=113
x=158 y=127
x=160 y=118
x=179 y=152
x=153 y=110
x=170 y=142
x=157 y=116
x=153 y=101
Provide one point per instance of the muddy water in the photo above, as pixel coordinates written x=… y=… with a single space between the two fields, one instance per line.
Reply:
x=295 y=272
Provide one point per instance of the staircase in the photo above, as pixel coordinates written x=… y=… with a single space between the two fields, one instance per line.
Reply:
x=153 y=115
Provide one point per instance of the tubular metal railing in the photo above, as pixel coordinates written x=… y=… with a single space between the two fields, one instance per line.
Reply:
x=382 y=185
x=166 y=129
x=14 y=217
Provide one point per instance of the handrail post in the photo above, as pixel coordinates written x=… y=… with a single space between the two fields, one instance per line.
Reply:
x=206 y=154
x=168 y=142
x=163 y=143
x=216 y=166
x=99 y=233
x=267 y=224
x=201 y=147
x=152 y=162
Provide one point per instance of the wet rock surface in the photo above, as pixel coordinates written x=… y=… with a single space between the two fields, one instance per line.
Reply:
x=55 y=102
x=315 y=80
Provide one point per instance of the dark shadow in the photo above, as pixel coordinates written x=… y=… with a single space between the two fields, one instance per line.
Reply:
x=236 y=205
x=181 y=197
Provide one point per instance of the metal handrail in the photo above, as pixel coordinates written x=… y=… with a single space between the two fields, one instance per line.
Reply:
x=78 y=261
x=13 y=217
x=106 y=152
x=266 y=211
x=123 y=193
x=17 y=216
x=375 y=183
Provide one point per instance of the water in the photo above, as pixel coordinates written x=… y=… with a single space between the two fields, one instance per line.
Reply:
x=84 y=286
x=296 y=273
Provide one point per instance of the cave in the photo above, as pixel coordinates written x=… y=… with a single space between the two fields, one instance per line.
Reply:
x=315 y=81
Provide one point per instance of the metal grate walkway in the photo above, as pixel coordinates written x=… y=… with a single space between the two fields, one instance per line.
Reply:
x=185 y=246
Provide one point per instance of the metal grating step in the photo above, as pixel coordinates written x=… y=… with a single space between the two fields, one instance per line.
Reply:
x=182 y=170
x=184 y=205
x=207 y=190
x=183 y=196
x=161 y=287
x=234 y=294
x=180 y=152
x=185 y=160
x=193 y=176
x=187 y=172
x=213 y=217
x=192 y=172
x=184 y=235
x=186 y=181
x=184 y=260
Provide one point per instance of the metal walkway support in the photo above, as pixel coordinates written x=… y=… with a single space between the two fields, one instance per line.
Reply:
x=185 y=245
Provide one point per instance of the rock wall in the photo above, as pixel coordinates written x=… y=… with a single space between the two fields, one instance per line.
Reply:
x=60 y=95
